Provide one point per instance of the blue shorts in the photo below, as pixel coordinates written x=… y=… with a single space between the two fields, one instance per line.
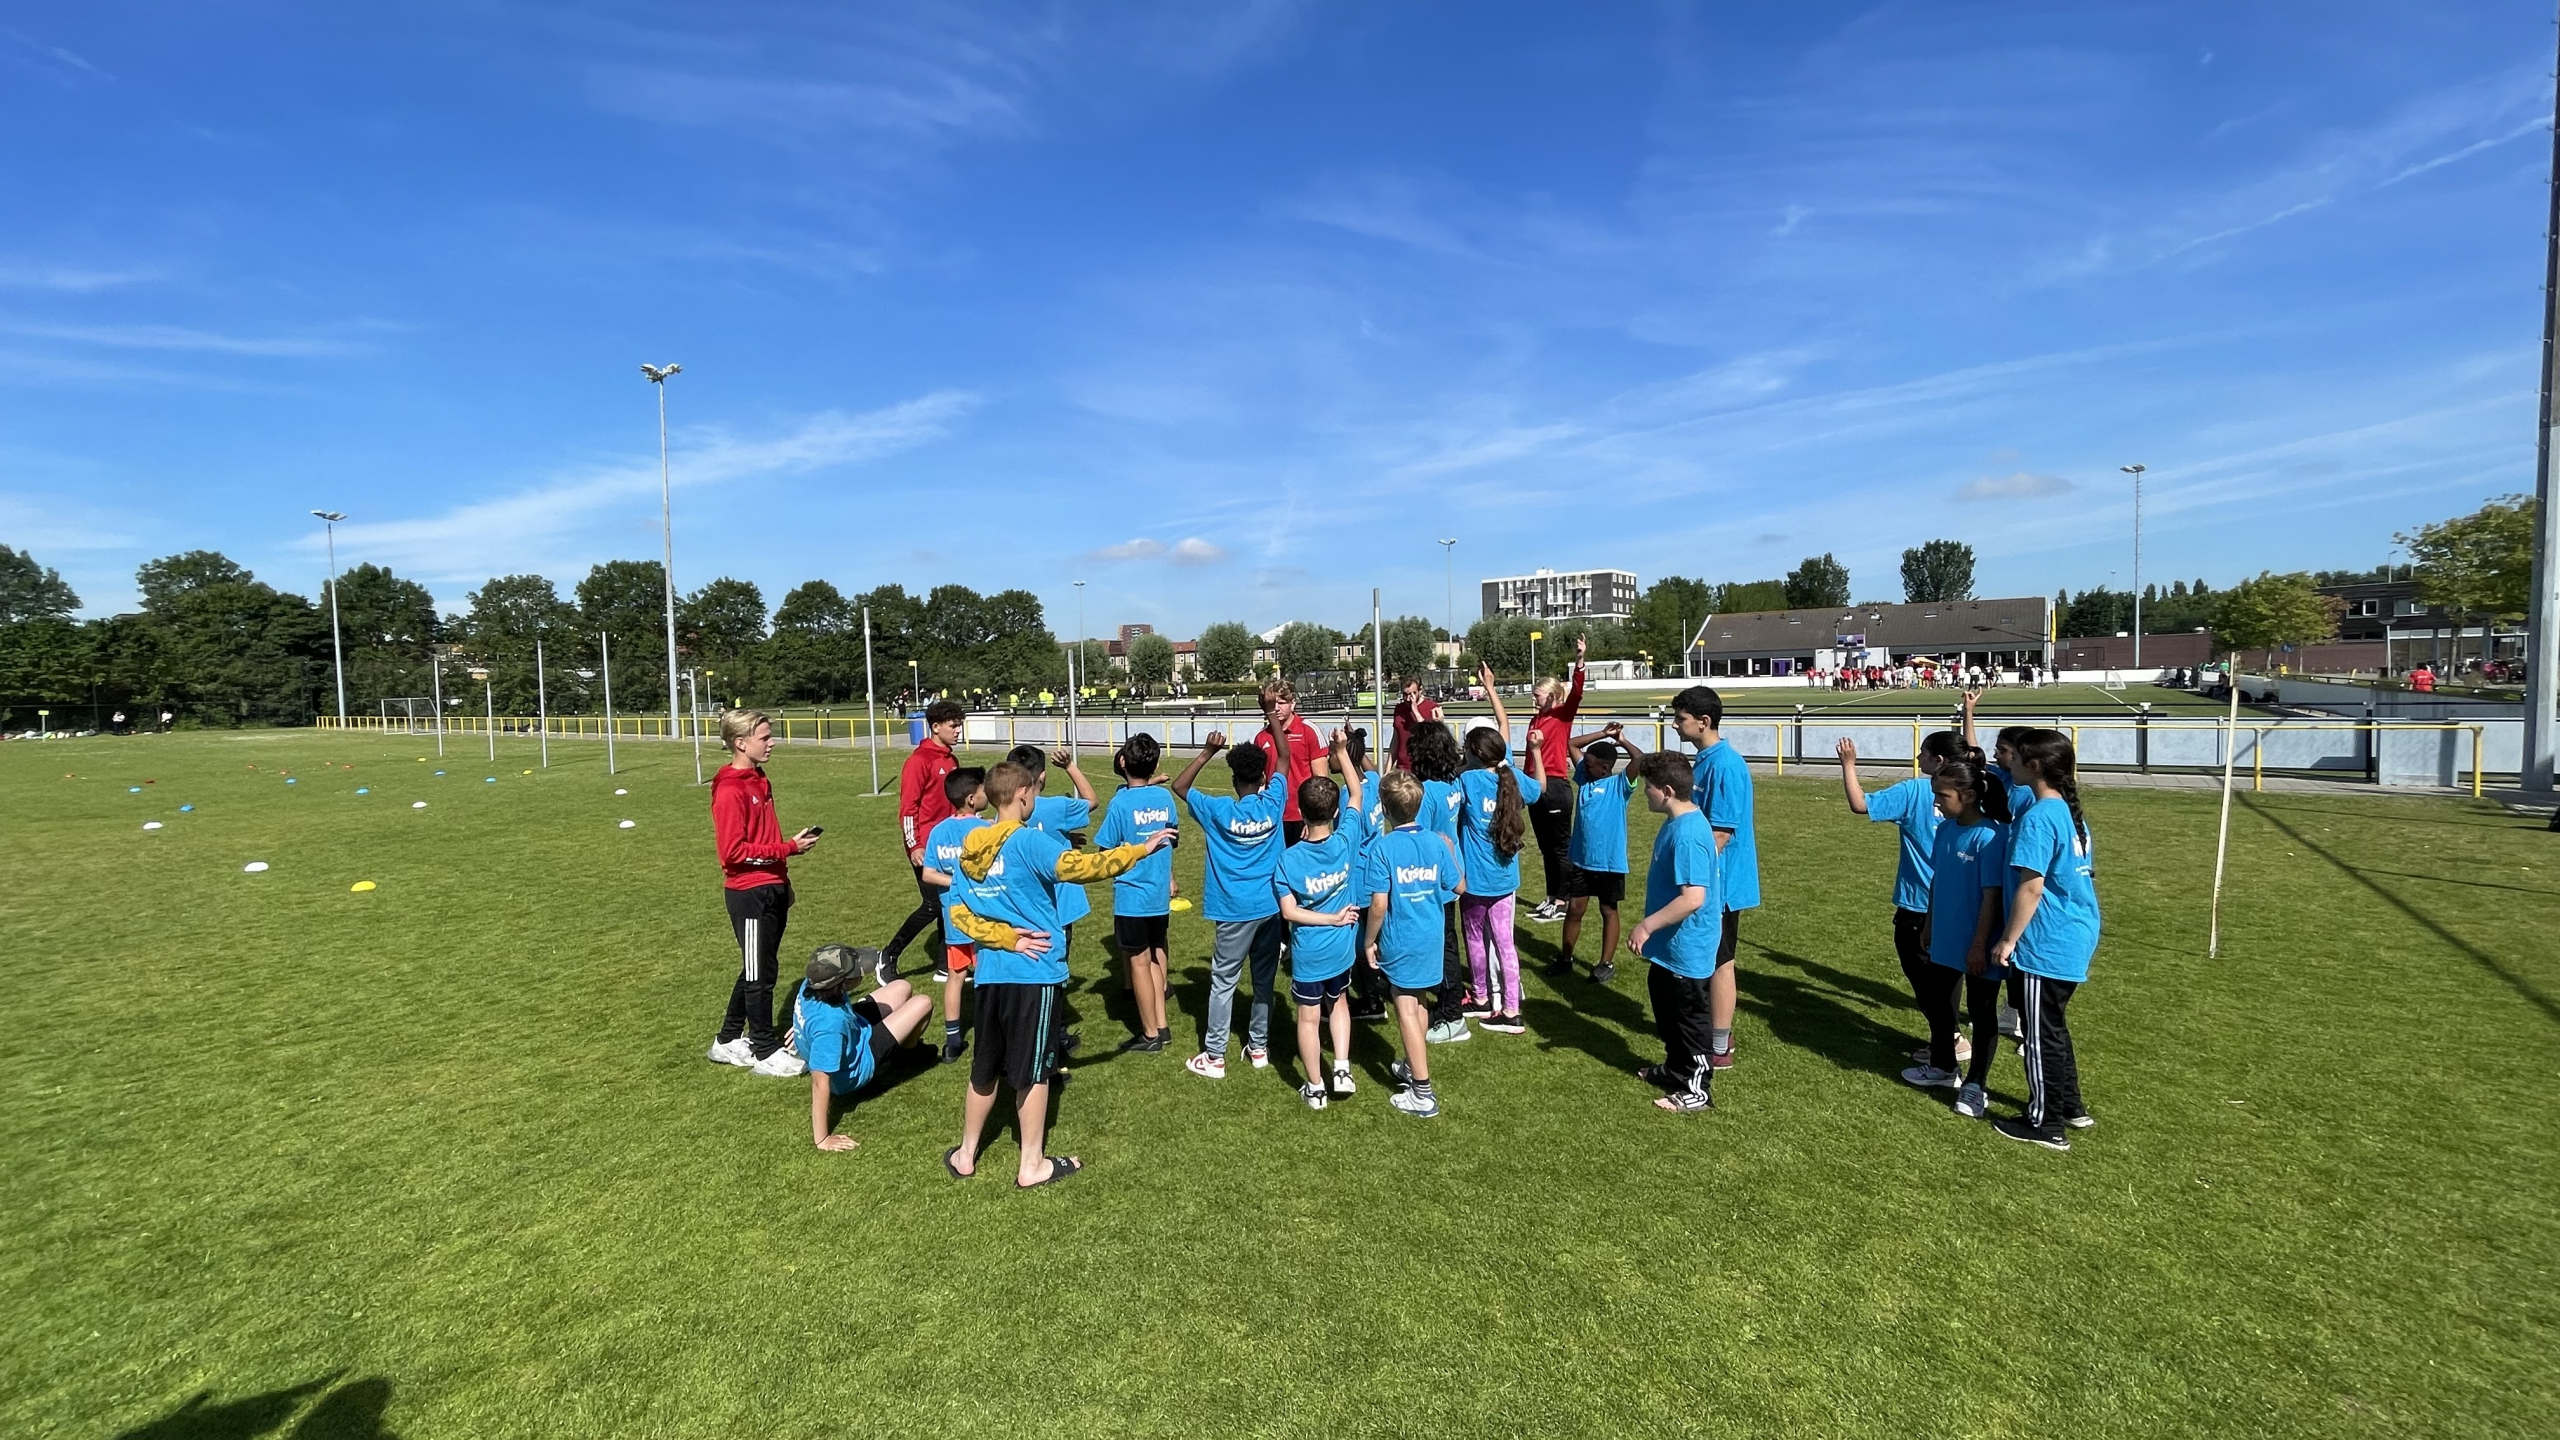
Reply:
x=1319 y=992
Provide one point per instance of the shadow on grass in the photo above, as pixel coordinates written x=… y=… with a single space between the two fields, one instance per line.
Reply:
x=1816 y=1013
x=352 y=1411
x=2478 y=956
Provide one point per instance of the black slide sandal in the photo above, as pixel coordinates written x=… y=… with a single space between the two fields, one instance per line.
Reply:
x=951 y=1155
x=1060 y=1167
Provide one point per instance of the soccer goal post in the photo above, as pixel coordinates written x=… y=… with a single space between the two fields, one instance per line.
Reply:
x=2113 y=681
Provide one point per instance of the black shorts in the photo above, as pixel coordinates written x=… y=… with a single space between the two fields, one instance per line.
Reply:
x=1609 y=887
x=1018 y=1029
x=1732 y=932
x=1139 y=932
x=881 y=1043
x=1319 y=992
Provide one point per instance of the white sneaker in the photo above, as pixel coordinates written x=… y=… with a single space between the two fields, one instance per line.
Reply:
x=1313 y=1094
x=1207 y=1066
x=2009 y=1024
x=1448 y=1032
x=1412 y=1102
x=1342 y=1082
x=1260 y=1058
x=1971 y=1102
x=1930 y=1077
x=781 y=1062
x=731 y=1052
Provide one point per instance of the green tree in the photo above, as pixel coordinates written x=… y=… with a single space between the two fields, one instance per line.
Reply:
x=1502 y=641
x=2477 y=565
x=1746 y=597
x=1303 y=648
x=1937 y=570
x=1151 y=661
x=1225 y=652
x=239 y=651
x=1409 y=641
x=508 y=616
x=2274 y=610
x=47 y=660
x=721 y=627
x=386 y=624
x=815 y=651
x=1667 y=614
x=163 y=580
x=30 y=591
x=626 y=599
x=2098 y=612
x=1820 y=583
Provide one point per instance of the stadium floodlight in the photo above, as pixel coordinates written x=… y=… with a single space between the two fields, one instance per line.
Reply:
x=667 y=524
x=337 y=653
x=2136 y=472
x=1449 y=585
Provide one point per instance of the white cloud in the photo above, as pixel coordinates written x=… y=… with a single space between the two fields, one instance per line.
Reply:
x=1192 y=550
x=1140 y=548
x=2019 y=485
x=179 y=338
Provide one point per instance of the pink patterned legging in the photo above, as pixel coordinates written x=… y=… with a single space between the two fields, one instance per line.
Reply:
x=1483 y=918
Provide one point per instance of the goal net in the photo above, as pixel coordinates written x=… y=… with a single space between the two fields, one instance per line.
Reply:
x=2114 y=681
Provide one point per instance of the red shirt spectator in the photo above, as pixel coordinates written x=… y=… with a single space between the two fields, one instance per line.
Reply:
x=753 y=851
x=921 y=803
x=1305 y=746
x=1411 y=714
x=1553 y=727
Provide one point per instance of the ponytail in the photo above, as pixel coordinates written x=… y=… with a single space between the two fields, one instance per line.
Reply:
x=1510 y=828
x=2047 y=755
x=1967 y=772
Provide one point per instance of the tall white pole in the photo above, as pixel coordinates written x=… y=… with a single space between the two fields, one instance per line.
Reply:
x=1378 y=677
x=693 y=688
x=1449 y=587
x=435 y=677
x=2136 y=472
x=2222 y=838
x=337 y=651
x=489 y=696
x=667 y=526
x=2542 y=606
x=604 y=643
x=870 y=702
x=541 y=703
x=1075 y=670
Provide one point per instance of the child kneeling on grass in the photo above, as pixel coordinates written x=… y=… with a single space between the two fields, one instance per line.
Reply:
x=846 y=1041
x=1409 y=875
x=1681 y=933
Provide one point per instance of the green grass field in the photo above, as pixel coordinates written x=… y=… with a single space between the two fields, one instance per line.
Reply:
x=445 y=1159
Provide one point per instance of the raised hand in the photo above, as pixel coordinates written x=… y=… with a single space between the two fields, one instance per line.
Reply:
x=1847 y=750
x=1215 y=740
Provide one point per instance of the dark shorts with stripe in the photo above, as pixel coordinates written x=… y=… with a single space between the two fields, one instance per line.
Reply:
x=1017 y=1035
x=1140 y=932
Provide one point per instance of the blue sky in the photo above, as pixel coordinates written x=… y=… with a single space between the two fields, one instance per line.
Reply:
x=1232 y=310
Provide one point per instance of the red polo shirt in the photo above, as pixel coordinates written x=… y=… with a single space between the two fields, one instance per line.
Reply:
x=921 y=803
x=747 y=832
x=1550 y=732
x=1304 y=747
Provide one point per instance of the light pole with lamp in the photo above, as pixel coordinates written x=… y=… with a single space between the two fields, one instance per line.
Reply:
x=667 y=524
x=435 y=677
x=2136 y=472
x=1075 y=668
x=1449 y=585
x=1534 y=637
x=489 y=696
x=337 y=653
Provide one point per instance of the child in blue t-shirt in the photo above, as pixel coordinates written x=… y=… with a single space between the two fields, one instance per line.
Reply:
x=1595 y=850
x=1314 y=885
x=1968 y=873
x=1911 y=807
x=1142 y=900
x=1720 y=784
x=1409 y=875
x=1680 y=933
x=844 y=1041
x=1493 y=825
x=965 y=789
x=1437 y=763
x=1242 y=840
x=2051 y=935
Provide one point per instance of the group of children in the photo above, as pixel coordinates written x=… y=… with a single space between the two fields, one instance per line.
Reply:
x=1397 y=888
x=1993 y=892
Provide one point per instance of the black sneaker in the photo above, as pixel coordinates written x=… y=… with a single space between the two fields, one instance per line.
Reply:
x=1505 y=1024
x=1559 y=967
x=2080 y=1120
x=884 y=968
x=2050 y=1137
x=1067 y=1043
x=1146 y=1044
x=952 y=1050
x=1603 y=973
x=1372 y=1011
x=1475 y=1009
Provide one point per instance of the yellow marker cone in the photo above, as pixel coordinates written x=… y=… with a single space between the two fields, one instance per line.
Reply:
x=1181 y=904
x=361 y=886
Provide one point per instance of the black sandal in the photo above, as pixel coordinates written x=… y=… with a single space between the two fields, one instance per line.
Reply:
x=950 y=1155
x=1060 y=1167
x=1686 y=1102
x=1659 y=1076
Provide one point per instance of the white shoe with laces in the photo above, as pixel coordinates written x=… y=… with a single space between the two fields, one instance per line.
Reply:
x=1930 y=1077
x=1258 y=1057
x=732 y=1052
x=1207 y=1066
x=783 y=1063
x=1342 y=1082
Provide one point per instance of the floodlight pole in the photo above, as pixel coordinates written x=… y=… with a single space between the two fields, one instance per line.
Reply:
x=2542 y=620
x=1377 y=672
x=2222 y=836
x=693 y=688
x=2136 y=472
x=1449 y=585
x=541 y=703
x=337 y=652
x=435 y=677
x=604 y=644
x=870 y=702
x=667 y=527
x=489 y=696
x=1075 y=667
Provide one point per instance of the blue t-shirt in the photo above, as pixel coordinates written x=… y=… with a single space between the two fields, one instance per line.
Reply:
x=1415 y=870
x=1599 y=839
x=1134 y=817
x=1479 y=792
x=1243 y=838
x=1912 y=805
x=2063 y=933
x=2021 y=798
x=1720 y=784
x=1318 y=875
x=1353 y=822
x=942 y=852
x=835 y=1041
x=1439 y=811
x=1684 y=853
x=1059 y=814
x=1966 y=860
x=1021 y=889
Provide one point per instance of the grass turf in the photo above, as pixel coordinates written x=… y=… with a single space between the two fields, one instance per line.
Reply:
x=445 y=1156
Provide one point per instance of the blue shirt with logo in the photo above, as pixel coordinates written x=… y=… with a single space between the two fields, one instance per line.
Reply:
x=2021 y=798
x=942 y=852
x=1135 y=816
x=1599 y=839
x=2062 y=936
x=1243 y=841
x=1966 y=860
x=1479 y=792
x=1684 y=854
x=1913 y=806
x=1353 y=822
x=1318 y=874
x=1021 y=889
x=1059 y=814
x=1439 y=811
x=835 y=1041
x=1720 y=783
x=1417 y=872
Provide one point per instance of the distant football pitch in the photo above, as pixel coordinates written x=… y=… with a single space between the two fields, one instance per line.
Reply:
x=443 y=1157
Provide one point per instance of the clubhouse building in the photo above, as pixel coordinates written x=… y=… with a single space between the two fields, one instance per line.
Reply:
x=1992 y=633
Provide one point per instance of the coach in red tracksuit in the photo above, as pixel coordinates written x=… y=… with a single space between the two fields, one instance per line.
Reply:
x=921 y=806
x=756 y=874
